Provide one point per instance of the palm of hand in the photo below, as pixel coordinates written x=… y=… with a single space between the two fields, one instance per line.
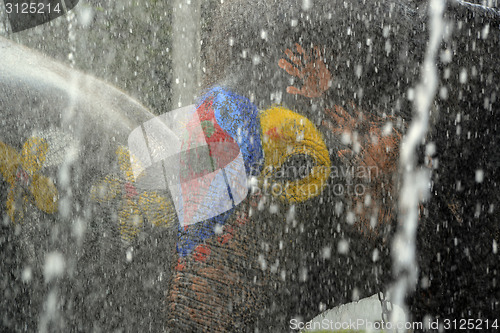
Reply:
x=310 y=68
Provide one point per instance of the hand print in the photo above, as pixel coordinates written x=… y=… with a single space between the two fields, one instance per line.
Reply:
x=373 y=149
x=310 y=67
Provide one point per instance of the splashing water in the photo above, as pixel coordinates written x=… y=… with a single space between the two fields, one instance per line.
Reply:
x=416 y=180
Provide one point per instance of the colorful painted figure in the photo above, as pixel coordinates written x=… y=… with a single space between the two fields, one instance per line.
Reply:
x=267 y=141
x=134 y=206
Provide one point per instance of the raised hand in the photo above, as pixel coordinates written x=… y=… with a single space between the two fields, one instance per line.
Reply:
x=310 y=68
x=372 y=151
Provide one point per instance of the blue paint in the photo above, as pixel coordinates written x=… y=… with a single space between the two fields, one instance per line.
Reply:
x=236 y=113
x=193 y=235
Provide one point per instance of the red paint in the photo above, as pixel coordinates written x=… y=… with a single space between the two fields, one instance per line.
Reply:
x=242 y=219
x=201 y=252
x=229 y=230
x=273 y=133
x=23 y=177
x=225 y=238
x=180 y=266
x=130 y=190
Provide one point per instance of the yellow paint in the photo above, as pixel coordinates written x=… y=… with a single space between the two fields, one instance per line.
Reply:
x=33 y=154
x=9 y=162
x=28 y=163
x=45 y=193
x=106 y=190
x=163 y=214
x=286 y=134
x=130 y=220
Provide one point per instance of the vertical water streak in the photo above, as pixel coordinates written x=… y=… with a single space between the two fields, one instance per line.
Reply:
x=68 y=114
x=52 y=315
x=71 y=19
x=416 y=179
x=4 y=27
x=186 y=45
